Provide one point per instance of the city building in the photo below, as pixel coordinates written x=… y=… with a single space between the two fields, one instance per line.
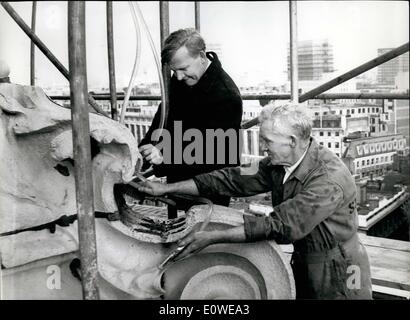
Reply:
x=370 y=157
x=387 y=71
x=402 y=81
x=402 y=118
x=139 y=119
x=333 y=122
x=314 y=59
x=250 y=146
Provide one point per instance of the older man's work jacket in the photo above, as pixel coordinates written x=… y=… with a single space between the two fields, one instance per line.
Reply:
x=314 y=209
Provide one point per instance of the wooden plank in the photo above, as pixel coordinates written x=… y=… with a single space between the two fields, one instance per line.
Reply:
x=391 y=291
x=389 y=267
x=387 y=278
x=389 y=261
x=384 y=243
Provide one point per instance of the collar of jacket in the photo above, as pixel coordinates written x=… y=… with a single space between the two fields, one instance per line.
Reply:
x=308 y=164
x=204 y=84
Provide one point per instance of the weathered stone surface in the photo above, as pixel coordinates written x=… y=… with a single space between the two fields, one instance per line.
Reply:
x=35 y=138
x=37 y=186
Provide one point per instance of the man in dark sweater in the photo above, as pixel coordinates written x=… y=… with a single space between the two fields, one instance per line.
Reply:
x=202 y=97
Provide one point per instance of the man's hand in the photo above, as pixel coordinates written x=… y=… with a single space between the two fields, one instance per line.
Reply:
x=151 y=154
x=195 y=242
x=153 y=188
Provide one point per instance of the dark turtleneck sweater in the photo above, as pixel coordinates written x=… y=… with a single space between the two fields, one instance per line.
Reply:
x=213 y=103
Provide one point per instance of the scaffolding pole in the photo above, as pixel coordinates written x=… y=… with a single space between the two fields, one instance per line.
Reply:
x=82 y=149
x=166 y=71
x=284 y=96
x=111 y=64
x=293 y=52
x=43 y=48
x=197 y=16
x=32 y=45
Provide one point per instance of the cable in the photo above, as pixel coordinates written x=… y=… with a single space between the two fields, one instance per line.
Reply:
x=159 y=68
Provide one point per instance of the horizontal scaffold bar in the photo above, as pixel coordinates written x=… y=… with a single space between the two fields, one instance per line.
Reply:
x=323 y=96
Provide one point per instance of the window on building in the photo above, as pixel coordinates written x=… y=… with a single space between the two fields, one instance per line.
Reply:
x=329 y=134
x=340 y=112
x=385 y=159
x=377 y=160
x=377 y=110
x=352 y=111
x=384 y=127
x=358 y=164
x=372 y=110
x=367 y=162
x=329 y=144
x=321 y=143
x=364 y=110
x=348 y=111
x=336 y=144
x=337 y=133
x=316 y=113
x=372 y=162
x=359 y=110
x=321 y=133
x=362 y=162
x=250 y=144
x=368 y=110
x=391 y=158
x=372 y=129
x=137 y=129
x=261 y=152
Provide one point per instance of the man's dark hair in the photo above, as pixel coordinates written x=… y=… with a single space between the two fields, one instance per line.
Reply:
x=190 y=38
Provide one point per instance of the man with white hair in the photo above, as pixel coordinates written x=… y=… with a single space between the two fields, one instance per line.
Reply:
x=314 y=207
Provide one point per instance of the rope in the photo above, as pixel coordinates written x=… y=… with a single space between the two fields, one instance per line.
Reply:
x=63 y=221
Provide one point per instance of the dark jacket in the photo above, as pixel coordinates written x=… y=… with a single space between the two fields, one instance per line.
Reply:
x=315 y=210
x=213 y=103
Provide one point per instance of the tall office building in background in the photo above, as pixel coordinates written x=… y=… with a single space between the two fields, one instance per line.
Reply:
x=388 y=71
x=314 y=59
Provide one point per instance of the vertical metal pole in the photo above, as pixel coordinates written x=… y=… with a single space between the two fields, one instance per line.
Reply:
x=82 y=149
x=32 y=46
x=293 y=52
x=166 y=71
x=111 y=64
x=164 y=28
x=197 y=16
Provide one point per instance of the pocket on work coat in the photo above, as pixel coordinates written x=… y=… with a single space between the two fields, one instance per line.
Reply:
x=321 y=280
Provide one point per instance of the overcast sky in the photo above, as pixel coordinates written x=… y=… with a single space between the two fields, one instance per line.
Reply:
x=253 y=35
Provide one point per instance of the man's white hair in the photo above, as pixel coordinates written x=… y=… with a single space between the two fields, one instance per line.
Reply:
x=294 y=116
